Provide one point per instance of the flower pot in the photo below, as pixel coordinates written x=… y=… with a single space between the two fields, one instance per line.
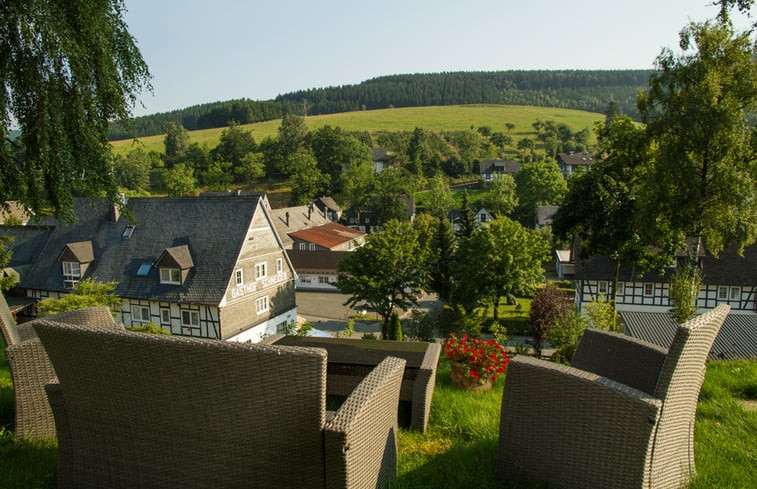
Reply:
x=463 y=381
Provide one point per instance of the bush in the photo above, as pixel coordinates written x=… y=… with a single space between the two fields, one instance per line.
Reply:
x=602 y=315
x=564 y=335
x=549 y=304
x=421 y=325
x=395 y=327
x=149 y=328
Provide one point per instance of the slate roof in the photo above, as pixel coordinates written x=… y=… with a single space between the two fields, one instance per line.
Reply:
x=499 y=166
x=575 y=159
x=380 y=154
x=727 y=269
x=737 y=337
x=329 y=203
x=545 y=213
x=299 y=218
x=315 y=261
x=327 y=235
x=212 y=228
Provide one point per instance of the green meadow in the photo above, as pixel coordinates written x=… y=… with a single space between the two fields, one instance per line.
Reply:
x=440 y=118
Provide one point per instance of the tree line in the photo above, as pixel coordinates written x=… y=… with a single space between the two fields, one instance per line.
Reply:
x=582 y=90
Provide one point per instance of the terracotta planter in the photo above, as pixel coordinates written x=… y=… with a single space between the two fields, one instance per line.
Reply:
x=463 y=381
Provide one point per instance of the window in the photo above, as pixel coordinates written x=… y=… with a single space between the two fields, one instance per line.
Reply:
x=260 y=271
x=723 y=293
x=323 y=280
x=311 y=246
x=620 y=289
x=140 y=314
x=71 y=273
x=302 y=246
x=165 y=316
x=279 y=265
x=648 y=290
x=190 y=318
x=304 y=280
x=603 y=287
x=170 y=276
x=144 y=270
x=239 y=277
x=261 y=304
x=735 y=293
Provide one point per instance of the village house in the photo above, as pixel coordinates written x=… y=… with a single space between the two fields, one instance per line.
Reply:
x=329 y=207
x=571 y=163
x=380 y=157
x=327 y=237
x=491 y=169
x=316 y=270
x=209 y=267
x=291 y=219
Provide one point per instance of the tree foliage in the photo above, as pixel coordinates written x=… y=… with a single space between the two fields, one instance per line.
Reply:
x=549 y=306
x=180 y=181
x=386 y=273
x=87 y=293
x=66 y=70
x=539 y=183
x=684 y=290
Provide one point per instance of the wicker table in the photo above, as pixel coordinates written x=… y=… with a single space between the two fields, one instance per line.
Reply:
x=349 y=361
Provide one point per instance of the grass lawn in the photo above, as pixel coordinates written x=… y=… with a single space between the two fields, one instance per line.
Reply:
x=459 y=449
x=441 y=118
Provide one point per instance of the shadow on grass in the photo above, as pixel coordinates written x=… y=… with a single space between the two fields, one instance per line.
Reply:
x=26 y=463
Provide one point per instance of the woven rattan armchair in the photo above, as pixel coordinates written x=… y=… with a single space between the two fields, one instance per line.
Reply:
x=148 y=411
x=621 y=416
x=31 y=369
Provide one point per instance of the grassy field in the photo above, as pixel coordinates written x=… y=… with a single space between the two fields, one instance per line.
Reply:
x=446 y=118
x=459 y=448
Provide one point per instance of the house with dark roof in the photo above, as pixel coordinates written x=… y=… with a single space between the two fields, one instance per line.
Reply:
x=571 y=163
x=545 y=214
x=316 y=270
x=736 y=339
x=328 y=206
x=381 y=158
x=209 y=267
x=491 y=169
x=291 y=219
x=729 y=278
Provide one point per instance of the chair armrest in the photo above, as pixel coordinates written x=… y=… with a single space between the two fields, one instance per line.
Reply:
x=26 y=331
x=31 y=369
x=423 y=388
x=627 y=360
x=565 y=425
x=361 y=438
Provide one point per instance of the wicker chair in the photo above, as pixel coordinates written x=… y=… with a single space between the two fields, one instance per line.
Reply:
x=622 y=416
x=137 y=410
x=31 y=369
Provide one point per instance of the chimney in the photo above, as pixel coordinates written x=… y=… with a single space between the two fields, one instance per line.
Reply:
x=287 y=218
x=115 y=208
x=310 y=210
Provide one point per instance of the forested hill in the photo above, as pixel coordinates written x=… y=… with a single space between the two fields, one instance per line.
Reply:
x=572 y=89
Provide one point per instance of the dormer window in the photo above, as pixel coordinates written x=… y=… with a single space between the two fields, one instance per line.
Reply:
x=74 y=260
x=174 y=265
x=170 y=276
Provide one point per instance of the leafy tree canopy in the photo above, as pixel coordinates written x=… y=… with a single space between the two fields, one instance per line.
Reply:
x=66 y=70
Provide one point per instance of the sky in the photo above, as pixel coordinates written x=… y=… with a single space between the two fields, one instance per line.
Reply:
x=201 y=51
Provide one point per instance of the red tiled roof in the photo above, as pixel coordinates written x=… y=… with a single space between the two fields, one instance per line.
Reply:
x=328 y=235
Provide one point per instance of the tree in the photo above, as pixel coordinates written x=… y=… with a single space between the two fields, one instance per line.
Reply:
x=133 y=170
x=703 y=174
x=358 y=183
x=251 y=168
x=385 y=273
x=601 y=206
x=549 y=306
x=180 y=181
x=502 y=198
x=393 y=191
x=175 y=141
x=684 y=290
x=440 y=200
x=467 y=219
x=441 y=260
x=87 y=293
x=67 y=69
x=539 y=183
x=307 y=180
x=395 y=327
x=503 y=258
x=293 y=135
x=234 y=144
x=333 y=149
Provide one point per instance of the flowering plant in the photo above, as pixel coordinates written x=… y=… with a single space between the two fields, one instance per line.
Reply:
x=481 y=360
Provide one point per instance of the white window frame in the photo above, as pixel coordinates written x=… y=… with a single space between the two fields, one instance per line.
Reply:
x=190 y=318
x=71 y=273
x=261 y=270
x=302 y=246
x=723 y=293
x=644 y=289
x=165 y=315
x=620 y=289
x=138 y=314
x=279 y=265
x=323 y=279
x=170 y=276
x=734 y=293
x=239 y=276
x=311 y=246
x=603 y=287
x=261 y=304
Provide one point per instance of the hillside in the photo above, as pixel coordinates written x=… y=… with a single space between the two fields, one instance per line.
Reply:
x=445 y=118
x=573 y=89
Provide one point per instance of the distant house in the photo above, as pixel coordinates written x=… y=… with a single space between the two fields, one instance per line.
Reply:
x=481 y=218
x=291 y=219
x=316 y=270
x=544 y=215
x=491 y=169
x=729 y=279
x=209 y=267
x=737 y=337
x=365 y=219
x=329 y=207
x=327 y=237
x=381 y=158
x=570 y=163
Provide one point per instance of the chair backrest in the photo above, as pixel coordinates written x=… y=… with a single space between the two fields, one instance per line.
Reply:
x=7 y=324
x=678 y=386
x=156 y=411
